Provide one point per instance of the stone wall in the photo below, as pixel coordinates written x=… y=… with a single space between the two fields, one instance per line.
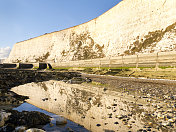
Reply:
x=132 y=26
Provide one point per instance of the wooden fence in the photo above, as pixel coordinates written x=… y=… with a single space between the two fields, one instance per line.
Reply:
x=163 y=59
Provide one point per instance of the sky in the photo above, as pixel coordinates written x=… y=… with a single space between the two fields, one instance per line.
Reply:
x=24 y=19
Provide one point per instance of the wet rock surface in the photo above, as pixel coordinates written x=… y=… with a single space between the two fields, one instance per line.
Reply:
x=10 y=98
x=10 y=119
x=14 y=77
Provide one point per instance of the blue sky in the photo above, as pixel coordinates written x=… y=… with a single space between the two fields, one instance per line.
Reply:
x=24 y=19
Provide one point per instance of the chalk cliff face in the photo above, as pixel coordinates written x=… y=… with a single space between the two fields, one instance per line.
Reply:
x=130 y=27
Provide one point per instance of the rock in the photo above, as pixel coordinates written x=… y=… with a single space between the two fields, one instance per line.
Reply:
x=76 y=80
x=130 y=114
x=114 y=104
x=148 y=129
x=20 y=129
x=140 y=130
x=150 y=123
x=61 y=121
x=110 y=115
x=69 y=129
x=34 y=130
x=116 y=123
x=121 y=116
x=132 y=121
x=165 y=123
x=88 y=80
x=171 y=120
x=98 y=125
x=173 y=97
x=1 y=91
x=129 y=126
x=26 y=118
x=105 y=89
x=3 y=117
x=160 y=116
x=51 y=124
x=7 y=128
x=143 y=114
x=109 y=107
x=125 y=123
x=65 y=80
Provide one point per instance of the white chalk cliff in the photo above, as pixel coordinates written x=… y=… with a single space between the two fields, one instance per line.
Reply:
x=130 y=27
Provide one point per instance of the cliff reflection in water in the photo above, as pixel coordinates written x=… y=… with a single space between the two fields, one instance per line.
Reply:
x=92 y=107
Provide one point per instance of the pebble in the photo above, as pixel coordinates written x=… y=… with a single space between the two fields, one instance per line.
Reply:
x=165 y=123
x=109 y=107
x=114 y=104
x=132 y=121
x=105 y=89
x=116 y=123
x=143 y=114
x=129 y=126
x=20 y=129
x=171 y=120
x=140 y=130
x=51 y=124
x=148 y=129
x=98 y=125
x=34 y=130
x=150 y=123
x=69 y=129
x=161 y=116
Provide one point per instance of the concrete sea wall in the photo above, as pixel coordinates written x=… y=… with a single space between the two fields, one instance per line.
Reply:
x=132 y=26
x=1 y=61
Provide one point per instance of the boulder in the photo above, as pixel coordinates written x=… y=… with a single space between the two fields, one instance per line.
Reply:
x=29 y=119
x=61 y=120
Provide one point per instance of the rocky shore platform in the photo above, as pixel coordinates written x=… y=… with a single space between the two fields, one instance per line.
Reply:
x=12 y=120
x=153 y=101
x=134 y=104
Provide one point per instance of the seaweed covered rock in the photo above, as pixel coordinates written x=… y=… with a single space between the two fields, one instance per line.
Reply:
x=3 y=117
x=31 y=119
x=27 y=119
x=11 y=98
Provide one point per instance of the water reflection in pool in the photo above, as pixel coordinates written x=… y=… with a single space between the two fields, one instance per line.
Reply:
x=94 y=108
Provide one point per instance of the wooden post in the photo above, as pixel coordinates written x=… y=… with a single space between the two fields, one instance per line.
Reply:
x=99 y=63
x=157 y=62
x=109 y=62
x=91 y=64
x=137 y=62
x=122 y=63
